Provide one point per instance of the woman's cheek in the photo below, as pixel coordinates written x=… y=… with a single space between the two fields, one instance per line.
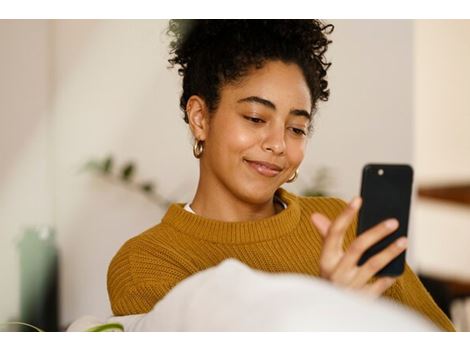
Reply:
x=243 y=138
x=297 y=151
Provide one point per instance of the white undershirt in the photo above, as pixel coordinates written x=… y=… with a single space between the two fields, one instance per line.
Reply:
x=187 y=207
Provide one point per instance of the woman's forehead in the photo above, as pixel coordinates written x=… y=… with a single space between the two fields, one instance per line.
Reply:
x=275 y=82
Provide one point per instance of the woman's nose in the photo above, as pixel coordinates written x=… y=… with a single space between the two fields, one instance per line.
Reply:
x=274 y=140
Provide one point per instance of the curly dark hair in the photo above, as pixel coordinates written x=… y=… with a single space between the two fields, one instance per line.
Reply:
x=212 y=53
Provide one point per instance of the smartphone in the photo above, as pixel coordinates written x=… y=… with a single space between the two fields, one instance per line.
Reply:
x=386 y=193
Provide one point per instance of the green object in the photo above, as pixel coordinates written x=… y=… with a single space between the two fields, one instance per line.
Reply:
x=39 y=278
x=10 y=323
x=111 y=327
x=127 y=171
x=108 y=164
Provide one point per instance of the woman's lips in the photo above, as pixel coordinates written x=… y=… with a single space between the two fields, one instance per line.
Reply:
x=264 y=168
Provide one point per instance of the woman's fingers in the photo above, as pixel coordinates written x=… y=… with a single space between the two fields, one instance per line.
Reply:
x=342 y=268
x=328 y=259
x=335 y=235
x=378 y=262
x=321 y=222
x=377 y=288
x=364 y=241
x=339 y=226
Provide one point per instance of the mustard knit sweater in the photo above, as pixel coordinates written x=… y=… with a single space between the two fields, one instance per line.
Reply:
x=150 y=264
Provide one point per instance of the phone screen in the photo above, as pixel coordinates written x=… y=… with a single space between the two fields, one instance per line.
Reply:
x=386 y=193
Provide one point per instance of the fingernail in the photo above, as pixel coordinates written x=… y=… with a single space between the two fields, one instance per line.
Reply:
x=391 y=224
x=402 y=242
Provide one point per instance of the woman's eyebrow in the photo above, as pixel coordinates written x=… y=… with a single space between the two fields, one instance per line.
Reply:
x=271 y=105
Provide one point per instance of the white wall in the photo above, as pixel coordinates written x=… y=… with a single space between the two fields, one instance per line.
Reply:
x=112 y=93
x=369 y=117
x=25 y=178
x=442 y=56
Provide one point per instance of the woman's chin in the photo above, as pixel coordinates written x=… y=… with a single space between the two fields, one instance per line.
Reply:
x=258 y=193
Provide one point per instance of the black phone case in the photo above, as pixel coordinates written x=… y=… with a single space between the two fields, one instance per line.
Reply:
x=384 y=196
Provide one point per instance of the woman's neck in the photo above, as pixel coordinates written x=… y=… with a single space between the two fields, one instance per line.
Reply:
x=218 y=203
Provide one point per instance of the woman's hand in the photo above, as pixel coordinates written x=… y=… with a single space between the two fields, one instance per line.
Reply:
x=341 y=268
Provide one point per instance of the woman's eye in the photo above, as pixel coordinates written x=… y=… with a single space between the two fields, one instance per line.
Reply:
x=254 y=119
x=299 y=131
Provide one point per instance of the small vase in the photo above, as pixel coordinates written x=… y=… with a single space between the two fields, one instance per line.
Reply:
x=39 y=278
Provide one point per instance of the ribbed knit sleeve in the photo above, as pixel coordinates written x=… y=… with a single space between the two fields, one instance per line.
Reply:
x=409 y=290
x=139 y=275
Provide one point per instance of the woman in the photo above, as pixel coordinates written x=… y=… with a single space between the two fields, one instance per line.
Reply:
x=250 y=91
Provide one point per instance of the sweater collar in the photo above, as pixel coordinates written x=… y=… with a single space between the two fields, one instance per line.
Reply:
x=236 y=232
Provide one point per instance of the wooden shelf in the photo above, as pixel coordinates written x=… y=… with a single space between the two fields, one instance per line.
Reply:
x=455 y=193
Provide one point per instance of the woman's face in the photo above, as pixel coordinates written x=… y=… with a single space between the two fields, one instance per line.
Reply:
x=256 y=138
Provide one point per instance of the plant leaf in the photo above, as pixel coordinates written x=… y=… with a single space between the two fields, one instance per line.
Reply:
x=91 y=165
x=127 y=171
x=147 y=187
x=107 y=165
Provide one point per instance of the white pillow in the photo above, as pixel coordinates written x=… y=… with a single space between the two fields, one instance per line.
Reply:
x=233 y=297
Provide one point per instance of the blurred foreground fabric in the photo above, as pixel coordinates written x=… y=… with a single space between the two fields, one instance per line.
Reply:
x=233 y=297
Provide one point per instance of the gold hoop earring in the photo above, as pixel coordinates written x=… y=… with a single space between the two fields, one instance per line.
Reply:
x=198 y=148
x=294 y=177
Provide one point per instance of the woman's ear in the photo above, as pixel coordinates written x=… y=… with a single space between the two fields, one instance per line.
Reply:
x=198 y=117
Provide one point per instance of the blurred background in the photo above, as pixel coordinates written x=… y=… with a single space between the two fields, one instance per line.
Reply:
x=93 y=146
